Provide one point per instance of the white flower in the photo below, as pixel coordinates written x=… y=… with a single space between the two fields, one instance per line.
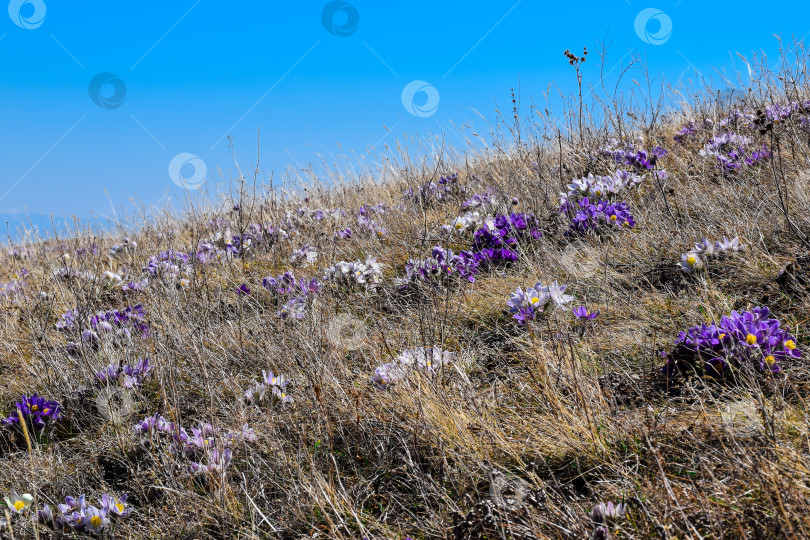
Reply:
x=555 y=292
x=690 y=262
x=470 y=220
x=111 y=279
x=17 y=503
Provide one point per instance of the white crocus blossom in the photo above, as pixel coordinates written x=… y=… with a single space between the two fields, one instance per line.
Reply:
x=469 y=221
x=705 y=250
x=111 y=279
x=366 y=274
x=555 y=292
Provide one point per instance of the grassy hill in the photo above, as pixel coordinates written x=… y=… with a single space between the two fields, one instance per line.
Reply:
x=398 y=357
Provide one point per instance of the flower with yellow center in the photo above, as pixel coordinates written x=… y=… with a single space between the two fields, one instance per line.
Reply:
x=790 y=345
x=34 y=408
x=721 y=336
x=613 y=217
x=751 y=339
x=95 y=521
x=770 y=360
x=691 y=260
x=119 y=506
x=19 y=505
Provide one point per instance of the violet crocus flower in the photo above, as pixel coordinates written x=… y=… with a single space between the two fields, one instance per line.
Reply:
x=39 y=411
x=606 y=513
x=295 y=308
x=525 y=306
x=741 y=340
x=115 y=505
x=582 y=312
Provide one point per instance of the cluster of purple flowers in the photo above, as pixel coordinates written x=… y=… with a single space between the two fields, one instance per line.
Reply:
x=77 y=515
x=127 y=376
x=293 y=293
x=628 y=154
x=121 y=322
x=426 y=359
x=485 y=200
x=207 y=253
x=733 y=151
x=36 y=410
x=778 y=112
x=442 y=264
x=273 y=384
x=687 y=131
x=12 y=289
x=305 y=255
x=208 y=449
x=499 y=236
x=526 y=305
x=367 y=223
x=597 y=217
x=168 y=265
x=113 y=325
x=742 y=340
x=446 y=188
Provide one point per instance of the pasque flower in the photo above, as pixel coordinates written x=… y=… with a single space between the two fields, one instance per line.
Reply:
x=36 y=409
x=18 y=503
x=525 y=306
x=582 y=312
x=740 y=340
x=425 y=359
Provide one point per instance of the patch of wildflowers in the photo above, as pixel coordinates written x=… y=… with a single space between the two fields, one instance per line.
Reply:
x=426 y=359
x=526 y=305
x=750 y=339
x=36 y=410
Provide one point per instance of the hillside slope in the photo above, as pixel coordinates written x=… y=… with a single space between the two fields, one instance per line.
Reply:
x=484 y=347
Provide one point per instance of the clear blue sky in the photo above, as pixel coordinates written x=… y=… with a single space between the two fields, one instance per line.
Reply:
x=196 y=71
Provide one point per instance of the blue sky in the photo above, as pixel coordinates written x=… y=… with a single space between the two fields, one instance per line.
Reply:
x=198 y=70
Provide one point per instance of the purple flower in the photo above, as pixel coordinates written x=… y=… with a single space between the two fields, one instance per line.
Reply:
x=295 y=308
x=243 y=290
x=750 y=338
x=582 y=312
x=39 y=411
x=115 y=505
x=442 y=265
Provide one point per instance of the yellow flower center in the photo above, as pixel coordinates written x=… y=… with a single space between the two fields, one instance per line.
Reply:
x=45 y=411
x=770 y=360
x=721 y=336
x=613 y=217
x=34 y=408
x=598 y=192
x=751 y=339
x=535 y=300
x=790 y=345
x=95 y=521
x=459 y=226
x=19 y=505
x=119 y=507
x=691 y=260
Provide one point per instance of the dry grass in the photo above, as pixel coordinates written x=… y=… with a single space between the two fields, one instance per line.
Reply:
x=519 y=438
